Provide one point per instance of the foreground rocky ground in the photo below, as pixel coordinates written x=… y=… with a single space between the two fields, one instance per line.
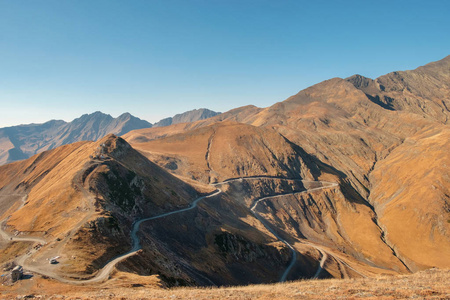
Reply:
x=428 y=284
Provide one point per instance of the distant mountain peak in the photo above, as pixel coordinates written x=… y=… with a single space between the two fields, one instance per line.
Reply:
x=359 y=81
x=189 y=116
x=126 y=114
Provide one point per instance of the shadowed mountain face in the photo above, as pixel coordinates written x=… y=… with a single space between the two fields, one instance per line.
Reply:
x=20 y=142
x=351 y=173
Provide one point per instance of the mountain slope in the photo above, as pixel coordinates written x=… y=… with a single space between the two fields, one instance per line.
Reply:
x=410 y=190
x=225 y=150
x=77 y=203
x=232 y=150
x=424 y=91
x=83 y=207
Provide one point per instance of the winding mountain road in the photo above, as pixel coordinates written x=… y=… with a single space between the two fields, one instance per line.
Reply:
x=104 y=273
x=321 y=264
x=283 y=278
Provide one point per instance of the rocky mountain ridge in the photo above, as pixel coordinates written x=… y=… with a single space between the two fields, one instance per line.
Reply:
x=22 y=141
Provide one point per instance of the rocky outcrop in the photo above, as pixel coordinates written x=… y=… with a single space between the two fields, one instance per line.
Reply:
x=423 y=91
x=237 y=248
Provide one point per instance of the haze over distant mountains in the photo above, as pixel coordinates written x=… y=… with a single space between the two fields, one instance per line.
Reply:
x=23 y=141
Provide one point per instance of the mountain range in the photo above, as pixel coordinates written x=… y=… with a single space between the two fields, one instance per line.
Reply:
x=23 y=141
x=347 y=178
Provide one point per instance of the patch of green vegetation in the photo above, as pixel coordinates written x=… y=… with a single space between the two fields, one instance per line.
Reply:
x=220 y=240
x=121 y=191
x=240 y=248
x=112 y=223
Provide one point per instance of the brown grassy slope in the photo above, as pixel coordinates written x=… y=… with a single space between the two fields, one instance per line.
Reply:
x=335 y=122
x=127 y=187
x=226 y=150
x=47 y=179
x=147 y=134
x=21 y=175
x=327 y=218
x=429 y=284
x=85 y=207
x=183 y=154
x=411 y=189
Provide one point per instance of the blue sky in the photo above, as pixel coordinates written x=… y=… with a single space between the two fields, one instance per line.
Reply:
x=60 y=59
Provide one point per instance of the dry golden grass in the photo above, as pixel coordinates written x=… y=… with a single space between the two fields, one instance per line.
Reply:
x=410 y=190
x=221 y=151
x=55 y=193
x=12 y=249
x=429 y=284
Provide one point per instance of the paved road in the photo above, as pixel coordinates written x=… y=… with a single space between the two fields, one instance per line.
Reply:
x=106 y=270
x=104 y=273
x=321 y=264
x=325 y=254
x=325 y=184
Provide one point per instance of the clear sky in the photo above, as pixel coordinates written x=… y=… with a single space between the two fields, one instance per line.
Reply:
x=60 y=59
